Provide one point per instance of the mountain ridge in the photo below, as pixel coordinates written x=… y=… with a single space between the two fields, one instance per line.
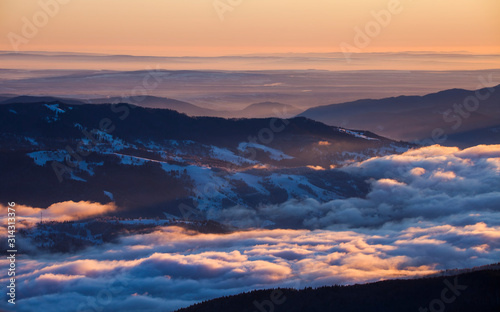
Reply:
x=79 y=152
x=417 y=118
x=477 y=290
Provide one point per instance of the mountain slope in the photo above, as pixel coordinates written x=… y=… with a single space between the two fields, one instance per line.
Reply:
x=163 y=103
x=256 y=110
x=433 y=117
x=474 y=291
x=153 y=160
x=38 y=99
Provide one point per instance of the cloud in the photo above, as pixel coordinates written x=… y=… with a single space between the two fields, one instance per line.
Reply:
x=417 y=171
x=184 y=267
x=435 y=185
x=428 y=209
x=315 y=167
x=63 y=211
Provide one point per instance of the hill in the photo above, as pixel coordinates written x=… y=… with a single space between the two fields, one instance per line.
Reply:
x=472 y=291
x=448 y=117
x=152 y=160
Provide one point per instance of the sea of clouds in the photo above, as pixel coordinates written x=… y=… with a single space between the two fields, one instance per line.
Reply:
x=428 y=209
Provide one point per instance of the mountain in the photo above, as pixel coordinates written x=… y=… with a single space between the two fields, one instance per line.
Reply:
x=257 y=110
x=448 y=117
x=143 y=101
x=162 y=102
x=485 y=135
x=38 y=99
x=4 y=97
x=267 y=109
x=478 y=290
x=152 y=161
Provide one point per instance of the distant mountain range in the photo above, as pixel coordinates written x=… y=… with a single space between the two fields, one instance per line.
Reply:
x=451 y=117
x=256 y=110
x=163 y=103
x=37 y=99
x=469 y=290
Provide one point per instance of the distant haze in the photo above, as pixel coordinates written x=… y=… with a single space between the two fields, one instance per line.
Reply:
x=242 y=81
x=337 y=61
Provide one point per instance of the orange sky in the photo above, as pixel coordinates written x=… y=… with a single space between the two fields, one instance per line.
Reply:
x=194 y=27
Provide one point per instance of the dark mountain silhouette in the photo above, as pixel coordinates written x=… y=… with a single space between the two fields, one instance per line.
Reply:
x=417 y=117
x=451 y=117
x=4 y=97
x=486 y=135
x=149 y=123
x=39 y=99
x=463 y=292
x=162 y=102
x=257 y=110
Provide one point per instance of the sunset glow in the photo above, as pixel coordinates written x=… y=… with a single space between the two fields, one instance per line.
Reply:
x=250 y=155
x=178 y=28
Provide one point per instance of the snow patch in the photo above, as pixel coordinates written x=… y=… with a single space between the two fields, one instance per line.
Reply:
x=76 y=178
x=109 y=194
x=227 y=155
x=357 y=134
x=31 y=140
x=131 y=160
x=273 y=153
x=57 y=111
x=42 y=157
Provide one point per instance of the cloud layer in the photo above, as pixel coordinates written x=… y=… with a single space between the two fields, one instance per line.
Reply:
x=63 y=211
x=173 y=267
x=432 y=185
x=428 y=209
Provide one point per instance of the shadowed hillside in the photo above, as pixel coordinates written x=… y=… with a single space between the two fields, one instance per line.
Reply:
x=475 y=291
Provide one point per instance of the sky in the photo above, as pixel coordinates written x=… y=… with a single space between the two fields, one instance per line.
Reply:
x=223 y=27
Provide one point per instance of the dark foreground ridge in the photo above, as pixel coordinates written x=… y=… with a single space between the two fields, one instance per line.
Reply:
x=464 y=292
